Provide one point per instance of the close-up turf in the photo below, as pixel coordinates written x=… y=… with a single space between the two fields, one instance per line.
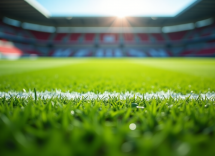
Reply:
x=113 y=107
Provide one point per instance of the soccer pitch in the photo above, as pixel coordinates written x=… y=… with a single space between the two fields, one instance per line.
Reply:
x=107 y=106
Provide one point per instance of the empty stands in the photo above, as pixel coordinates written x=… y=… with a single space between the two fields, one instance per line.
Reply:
x=158 y=53
x=143 y=37
x=74 y=37
x=128 y=37
x=89 y=37
x=177 y=36
x=109 y=53
x=42 y=36
x=59 y=37
x=109 y=38
x=83 y=53
x=10 y=51
x=196 y=42
x=136 y=53
x=206 y=52
x=157 y=37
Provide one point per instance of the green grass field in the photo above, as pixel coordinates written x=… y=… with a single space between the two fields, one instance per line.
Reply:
x=62 y=126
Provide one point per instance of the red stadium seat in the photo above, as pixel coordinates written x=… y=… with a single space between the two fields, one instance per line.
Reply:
x=128 y=37
x=59 y=37
x=188 y=52
x=43 y=36
x=10 y=51
x=177 y=36
x=143 y=37
x=158 y=36
x=89 y=37
x=32 y=51
x=74 y=37
x=206 y=52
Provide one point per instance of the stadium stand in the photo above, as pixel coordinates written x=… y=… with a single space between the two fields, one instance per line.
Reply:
x=205 y=31
x=83 y=53
x=41 y=36
x=128 y=37
x=196 y=42
x=206 y=52
x=12 y=31
x=89 y=38
x=109 y=38
x=158 y=53
x=59 y=37
x=177 y=36
x=10 y=51
x=143 y=37
x=158 y=37
x=136 y=53
x=61 y=52
x=74 y=37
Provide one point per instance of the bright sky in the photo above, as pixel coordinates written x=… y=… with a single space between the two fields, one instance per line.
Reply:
x=121 y=8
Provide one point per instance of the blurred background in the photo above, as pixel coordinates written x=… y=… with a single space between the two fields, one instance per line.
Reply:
x=107 y=28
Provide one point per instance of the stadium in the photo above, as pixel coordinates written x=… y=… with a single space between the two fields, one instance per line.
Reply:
x=105 y=77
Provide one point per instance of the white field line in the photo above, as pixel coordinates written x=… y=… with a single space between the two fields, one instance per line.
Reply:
x=106 y=95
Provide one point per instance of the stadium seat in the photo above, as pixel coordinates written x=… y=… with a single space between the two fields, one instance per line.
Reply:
x=89 y=38
x=32 y=51
x=118 y=53
x=158 y=37
x=13 y=31
x=109 y=38
x=62 y=52
x=206 y=52
x=10 y=51
x=128 y=37
x=59 y=37
x=143 y=37
x=190 y=52
x=42 y=36
x=99 y=53
x=82 y=53
x=177 y=36
x=74 y=37
x=158 y=53
x=136 y=53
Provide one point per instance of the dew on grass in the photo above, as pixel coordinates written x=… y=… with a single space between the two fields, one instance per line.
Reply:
x=126 y=147
x=163 y=113
x=170 y=106
x=141 y=107
x=132 y=126
x=72 y=112
x=183 y=149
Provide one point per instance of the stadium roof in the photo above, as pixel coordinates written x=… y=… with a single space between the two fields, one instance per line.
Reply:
x=25 y=12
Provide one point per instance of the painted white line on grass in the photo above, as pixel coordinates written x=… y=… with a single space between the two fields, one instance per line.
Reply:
x=106 y=95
